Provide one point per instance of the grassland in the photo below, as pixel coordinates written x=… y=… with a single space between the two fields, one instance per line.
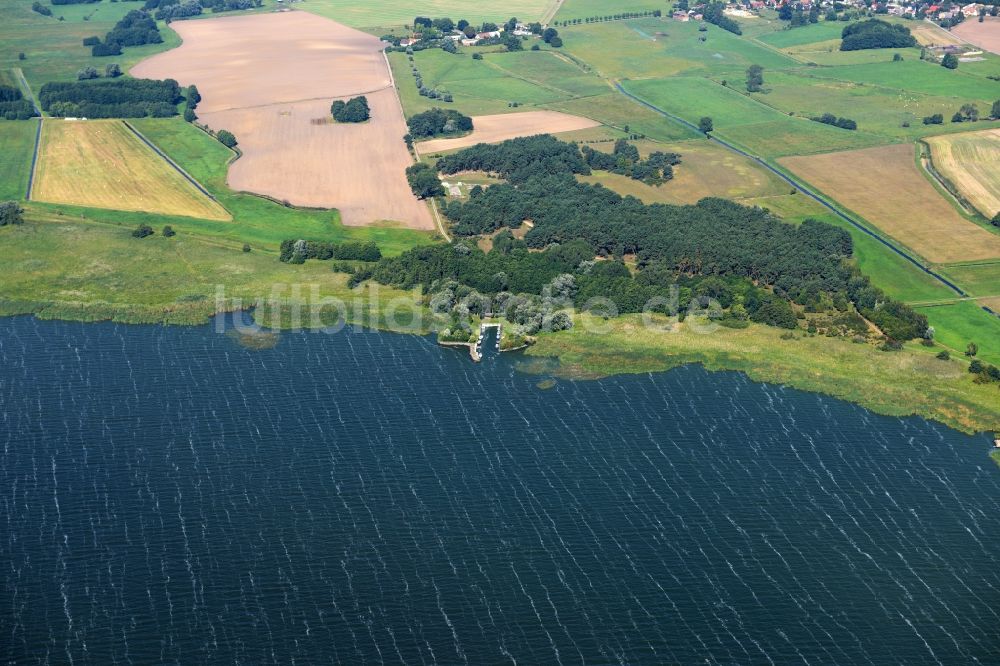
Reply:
x=706 y=170
x=103 y=164
x=17 y=138
x=745 y=121
x=908 y=382
x=401 y=12
x=54 y=50
x=969 y=161
x=884 y=186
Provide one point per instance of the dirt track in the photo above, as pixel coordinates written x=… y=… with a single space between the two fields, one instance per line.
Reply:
x=496 y=128
x=266 y=78
x=985 y=35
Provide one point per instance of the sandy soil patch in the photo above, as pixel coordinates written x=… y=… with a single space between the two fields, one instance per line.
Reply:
x=929 y=34
x=985 y=35
x=102 y=164
x=500 y=127
x=971 y=161
x=267 y=78
x=885 y=186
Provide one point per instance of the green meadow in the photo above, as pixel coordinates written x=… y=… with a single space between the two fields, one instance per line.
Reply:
x=17 y=138
x=581 y=9
x=402 y=12
x=54 y=49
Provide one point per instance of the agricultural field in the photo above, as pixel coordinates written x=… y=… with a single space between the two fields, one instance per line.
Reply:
x=744 y=120
x=275 y=98
x=494 y=129
x=388 y=13
x=917 y=76
x=103 y=164
x=18 y=140
x=981 y=280
x=971 y=163
x=885 y=187
x=985 y=35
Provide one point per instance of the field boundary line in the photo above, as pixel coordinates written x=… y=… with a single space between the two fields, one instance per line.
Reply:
x=801 y=186
x=34 y=160
x=173 y=164
x=926 y=158
x=27 y=88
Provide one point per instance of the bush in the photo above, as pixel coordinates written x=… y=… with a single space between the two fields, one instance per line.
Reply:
x=112 y=70
x=477 y=56
x=226 y=138
x=949 y=61
x=142 y=231
x=246 y=247
x=936 y=119
x=830 y=119
x=11 y=213
x=40 y=8
x=943 y=355
x=168 y=231
x=86 y=74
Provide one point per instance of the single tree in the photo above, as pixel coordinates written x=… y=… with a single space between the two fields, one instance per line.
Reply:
x=996 y=220
x=112 y=70
x=705 y=125
x=755 y=78
x=995 y=110
x=950 y=60
x=168 y=231
x=971 y=349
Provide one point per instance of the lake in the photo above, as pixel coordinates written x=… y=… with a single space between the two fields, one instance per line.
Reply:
x=169 y=496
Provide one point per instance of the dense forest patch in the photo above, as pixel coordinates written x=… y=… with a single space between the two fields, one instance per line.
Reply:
x=117 y=98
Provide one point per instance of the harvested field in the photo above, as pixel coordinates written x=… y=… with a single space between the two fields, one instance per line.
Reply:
x=985 y=35
x=970 y=161
x=266 y=78
x=500 y=127
x=102 y=164
x=885 y=186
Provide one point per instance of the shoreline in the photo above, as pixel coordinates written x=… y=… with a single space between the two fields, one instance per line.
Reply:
x=835 y=368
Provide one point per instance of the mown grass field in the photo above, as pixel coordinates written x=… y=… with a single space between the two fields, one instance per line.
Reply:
x=17 y=138
x=103 y=164
x=402 y=12
x=978 y=279
x=885 y=187
x=899 y=384
x=971 y=162
x=745 y=121
x=958 y=324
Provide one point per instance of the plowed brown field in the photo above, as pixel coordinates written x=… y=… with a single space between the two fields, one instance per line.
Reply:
x=267 y=78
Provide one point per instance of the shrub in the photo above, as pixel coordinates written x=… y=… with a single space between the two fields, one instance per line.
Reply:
x=142 y=231
x=11 y=213
x=87 y=73
x=943 y=355
x=168 y=231
x=950 y=61
x=936 y=119
x=226 y=138
x=246 y=247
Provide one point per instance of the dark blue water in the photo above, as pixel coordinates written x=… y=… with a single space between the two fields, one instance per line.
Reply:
x=167 y=496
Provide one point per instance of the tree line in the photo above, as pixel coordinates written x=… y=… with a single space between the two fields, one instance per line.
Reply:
x=298 y=251
x=111 y=98
x=830 y=119
x=624 y=160
x=13 y=105
x=436 y=122
x=714 y=13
